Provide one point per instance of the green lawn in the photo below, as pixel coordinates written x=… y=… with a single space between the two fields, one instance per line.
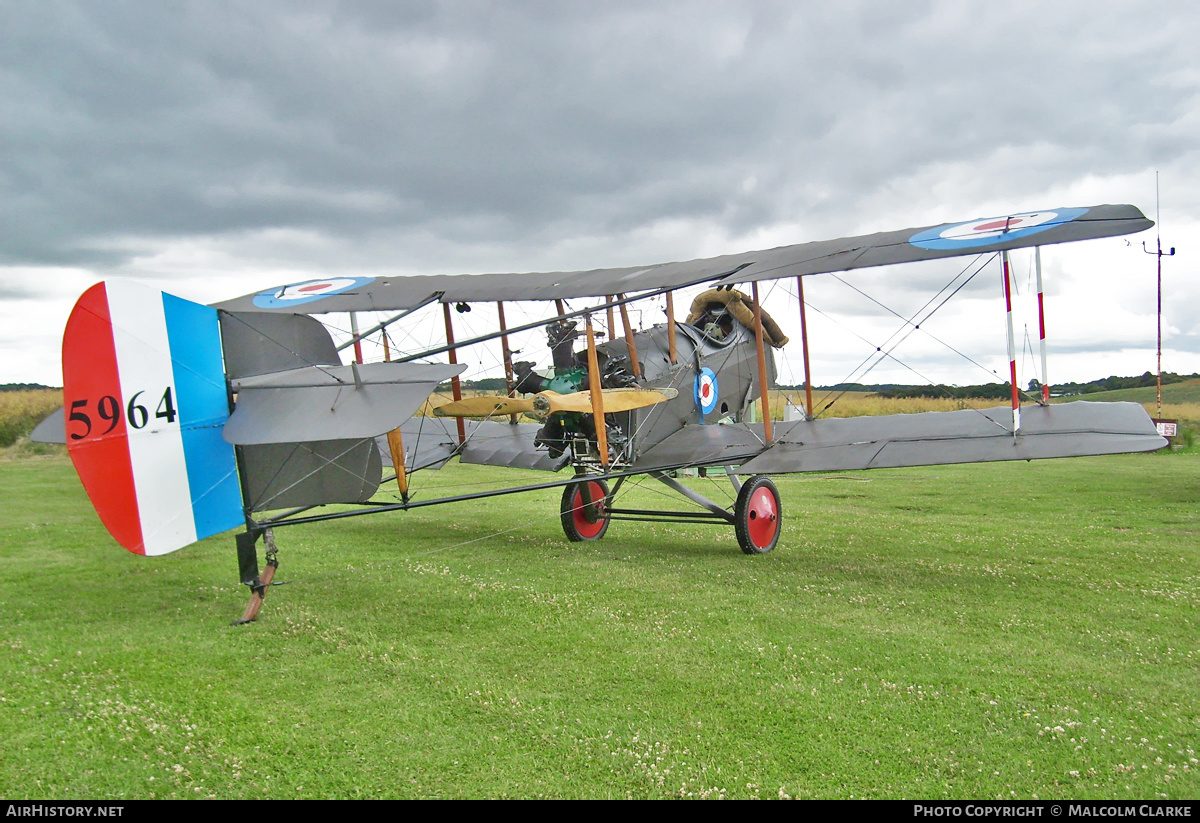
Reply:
x=1018 y=629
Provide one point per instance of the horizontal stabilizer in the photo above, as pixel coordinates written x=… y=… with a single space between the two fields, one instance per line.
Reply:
x=51 y=430
x=967 y=436
x=330 y=402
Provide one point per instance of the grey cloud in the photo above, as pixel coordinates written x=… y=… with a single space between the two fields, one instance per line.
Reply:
x=475 y=136
x=159 y=120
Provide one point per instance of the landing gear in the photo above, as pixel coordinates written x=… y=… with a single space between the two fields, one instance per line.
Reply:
x=248 y=566
x=757 y=515
x=584 y=510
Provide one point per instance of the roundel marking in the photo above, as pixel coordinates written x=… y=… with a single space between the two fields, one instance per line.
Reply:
x=706 y=390
x=296 y=294
x=990 y=229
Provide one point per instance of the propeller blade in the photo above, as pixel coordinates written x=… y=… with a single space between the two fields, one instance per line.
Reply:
x=485 y=406
x=548 y=402
x=615 y=400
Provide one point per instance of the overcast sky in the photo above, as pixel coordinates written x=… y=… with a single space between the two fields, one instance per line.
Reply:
x=212 y=149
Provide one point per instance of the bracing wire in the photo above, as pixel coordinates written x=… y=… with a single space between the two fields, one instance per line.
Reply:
x=911 y=324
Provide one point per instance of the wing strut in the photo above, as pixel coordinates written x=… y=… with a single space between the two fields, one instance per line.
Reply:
x=1037 y=256
x=673 y=351
x=630 y=345
x=1012 y=351
x=507 y=354
x=597 y=394
x=808 y=403
x=396 y=446
x=455 y=385
x=612 y=323
x=394 y=438
x=358 y=358
x=764 y=399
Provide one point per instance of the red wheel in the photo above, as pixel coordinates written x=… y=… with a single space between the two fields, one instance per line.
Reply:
x=585 y=518
x=757 y=516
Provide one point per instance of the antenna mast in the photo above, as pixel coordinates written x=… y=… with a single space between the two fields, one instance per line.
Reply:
x=1159 y=254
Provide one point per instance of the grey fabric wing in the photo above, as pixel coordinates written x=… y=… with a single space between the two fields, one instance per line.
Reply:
x=697 y=445
x=968 y=436
x=431 y=441
x=330 y=402
x=494 y=443
x=1061 y=225
x=428 y=442
x=979 y=236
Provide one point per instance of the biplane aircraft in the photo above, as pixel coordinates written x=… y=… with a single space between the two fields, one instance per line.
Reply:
x=184 y=421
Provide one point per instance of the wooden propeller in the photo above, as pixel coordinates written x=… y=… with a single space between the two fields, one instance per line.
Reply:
x=485 y=406
x=547 y=403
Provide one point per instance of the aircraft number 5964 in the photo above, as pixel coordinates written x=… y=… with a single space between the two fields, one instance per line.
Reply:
x=108 y=409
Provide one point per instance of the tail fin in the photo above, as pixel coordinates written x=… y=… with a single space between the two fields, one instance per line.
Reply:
x=146 y=400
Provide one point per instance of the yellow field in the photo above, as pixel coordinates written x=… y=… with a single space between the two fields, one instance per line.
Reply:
x=1183 y=412
x=868 y=404
x=32 y=403
x=20 y=411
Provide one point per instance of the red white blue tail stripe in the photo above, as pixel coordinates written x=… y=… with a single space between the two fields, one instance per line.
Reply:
x=145 y=400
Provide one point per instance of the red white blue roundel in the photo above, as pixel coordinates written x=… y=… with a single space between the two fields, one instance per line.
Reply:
x=989 y=230
x=706 y=390
x=296 y=294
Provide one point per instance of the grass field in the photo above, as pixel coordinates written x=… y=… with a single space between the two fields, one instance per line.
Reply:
x=993 y=631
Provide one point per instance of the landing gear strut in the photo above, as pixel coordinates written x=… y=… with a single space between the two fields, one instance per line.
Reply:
x=248 y=564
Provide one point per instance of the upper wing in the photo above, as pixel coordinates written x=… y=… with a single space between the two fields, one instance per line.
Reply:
x=1063 y=225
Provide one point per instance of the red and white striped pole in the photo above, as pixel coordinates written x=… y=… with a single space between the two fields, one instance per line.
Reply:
x=1037 y=256
x=357 y=343
x=1012 y=350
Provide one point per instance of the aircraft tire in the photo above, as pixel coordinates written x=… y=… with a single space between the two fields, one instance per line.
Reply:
x=575 y=522
x=758 y=516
